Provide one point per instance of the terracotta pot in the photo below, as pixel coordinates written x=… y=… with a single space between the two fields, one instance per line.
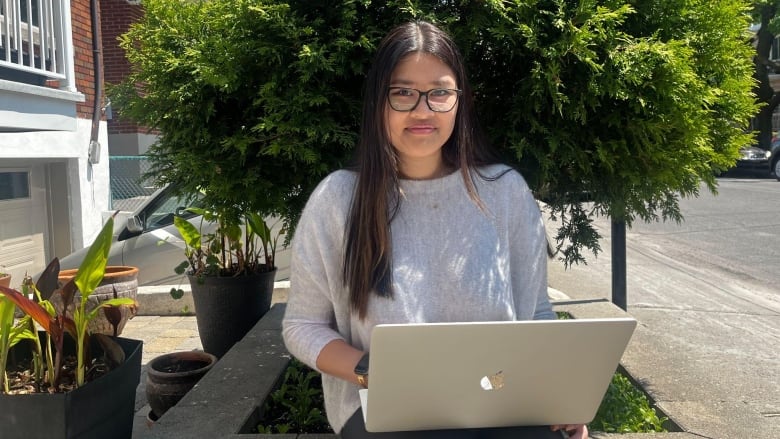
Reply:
x=5 y=280
x=170 y=376
x=124 y=280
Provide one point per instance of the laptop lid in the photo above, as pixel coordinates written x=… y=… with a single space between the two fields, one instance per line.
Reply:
x=491 y=374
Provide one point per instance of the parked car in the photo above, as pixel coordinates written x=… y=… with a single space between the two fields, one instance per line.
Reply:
x=759 y=159
x=754 y=158
x=147 y=239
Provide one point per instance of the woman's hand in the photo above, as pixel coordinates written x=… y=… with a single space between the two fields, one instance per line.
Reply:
x=575 y=431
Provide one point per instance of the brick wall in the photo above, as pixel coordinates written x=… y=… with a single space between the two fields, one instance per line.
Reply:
x=116 y=17
x=83 y=55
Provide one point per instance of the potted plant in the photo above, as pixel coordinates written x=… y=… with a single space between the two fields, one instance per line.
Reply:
x=231 y=273
x=65 y=381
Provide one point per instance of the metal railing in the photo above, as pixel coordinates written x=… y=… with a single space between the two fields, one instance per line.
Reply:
x=33 y=36
x=128 y=189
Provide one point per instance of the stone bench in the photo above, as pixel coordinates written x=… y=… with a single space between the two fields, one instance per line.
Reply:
x=226 y=402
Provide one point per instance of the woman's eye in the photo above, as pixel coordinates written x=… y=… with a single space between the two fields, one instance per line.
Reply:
x=440 y=92
x=405 y=92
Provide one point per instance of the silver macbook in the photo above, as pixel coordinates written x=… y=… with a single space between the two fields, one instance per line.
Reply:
x=491 y=374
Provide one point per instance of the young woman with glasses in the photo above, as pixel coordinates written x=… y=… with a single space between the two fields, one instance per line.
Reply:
x=427 y=227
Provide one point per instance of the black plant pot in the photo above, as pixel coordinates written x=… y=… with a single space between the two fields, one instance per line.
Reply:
x=170 y=376
x=103 y=408
x=226 y=308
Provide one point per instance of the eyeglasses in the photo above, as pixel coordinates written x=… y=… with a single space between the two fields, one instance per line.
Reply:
x=439 y=100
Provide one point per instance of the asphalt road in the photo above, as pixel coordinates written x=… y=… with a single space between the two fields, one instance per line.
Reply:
x=730 y=241
x=706 y=293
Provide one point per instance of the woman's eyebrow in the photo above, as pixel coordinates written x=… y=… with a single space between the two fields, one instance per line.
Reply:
x=401 y=82
x=439 y=83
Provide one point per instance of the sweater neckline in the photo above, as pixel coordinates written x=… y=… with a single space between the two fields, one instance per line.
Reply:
x=449 y=181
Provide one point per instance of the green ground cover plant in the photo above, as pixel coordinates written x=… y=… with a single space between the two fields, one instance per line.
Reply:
x=625 y=409
x=298 y=405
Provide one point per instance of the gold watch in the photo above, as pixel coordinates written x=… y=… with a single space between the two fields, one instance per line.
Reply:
x=361 y=371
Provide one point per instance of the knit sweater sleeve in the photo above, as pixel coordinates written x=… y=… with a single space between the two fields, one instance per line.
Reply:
x=310 y=320
x=528 y=255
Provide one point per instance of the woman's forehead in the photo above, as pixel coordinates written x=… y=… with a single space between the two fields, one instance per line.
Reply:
x=422 y=68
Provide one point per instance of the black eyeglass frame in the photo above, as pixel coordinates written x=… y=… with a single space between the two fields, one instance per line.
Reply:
x=458 y=93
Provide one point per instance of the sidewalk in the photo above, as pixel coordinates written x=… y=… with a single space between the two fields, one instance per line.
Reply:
x=707 y=347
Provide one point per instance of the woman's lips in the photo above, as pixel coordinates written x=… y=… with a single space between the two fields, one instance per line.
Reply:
x=421 y=129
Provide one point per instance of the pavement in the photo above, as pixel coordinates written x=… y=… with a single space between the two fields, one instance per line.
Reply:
x=687 y=363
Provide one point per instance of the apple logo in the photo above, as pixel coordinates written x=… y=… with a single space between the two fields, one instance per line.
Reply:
x=493 y=382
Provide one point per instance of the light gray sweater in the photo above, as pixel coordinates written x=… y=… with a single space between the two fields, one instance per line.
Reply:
x=451 y=262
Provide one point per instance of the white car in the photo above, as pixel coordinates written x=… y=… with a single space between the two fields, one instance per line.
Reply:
x=147 y=239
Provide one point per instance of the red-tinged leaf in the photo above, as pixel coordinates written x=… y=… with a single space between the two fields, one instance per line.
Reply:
x=47 y=281
x=114 y=317
x=68 y=293
x=29 y=307
x=68 y=325
x=113 y=352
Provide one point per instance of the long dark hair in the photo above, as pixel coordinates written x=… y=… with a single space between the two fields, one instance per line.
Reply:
x=368 y=252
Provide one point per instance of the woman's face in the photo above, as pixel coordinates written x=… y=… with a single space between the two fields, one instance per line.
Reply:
x=419 y=135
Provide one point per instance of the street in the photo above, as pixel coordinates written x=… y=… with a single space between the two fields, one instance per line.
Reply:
x=708 y=291
x=730 y=242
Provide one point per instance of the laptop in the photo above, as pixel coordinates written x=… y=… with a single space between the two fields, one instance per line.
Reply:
x=491 y=374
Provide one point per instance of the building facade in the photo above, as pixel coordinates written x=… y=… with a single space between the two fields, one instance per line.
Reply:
x=55 y=127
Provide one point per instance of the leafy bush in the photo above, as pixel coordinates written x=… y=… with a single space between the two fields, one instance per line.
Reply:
x=627 y=104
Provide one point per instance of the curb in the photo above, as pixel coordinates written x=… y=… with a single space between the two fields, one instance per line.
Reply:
x=156 y=300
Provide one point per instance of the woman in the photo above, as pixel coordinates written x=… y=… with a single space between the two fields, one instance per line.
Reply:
x=426 y=228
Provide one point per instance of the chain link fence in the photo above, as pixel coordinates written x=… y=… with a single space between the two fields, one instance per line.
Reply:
x=128 y=189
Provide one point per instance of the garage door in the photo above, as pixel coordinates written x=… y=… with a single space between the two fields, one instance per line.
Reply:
x=22 y=223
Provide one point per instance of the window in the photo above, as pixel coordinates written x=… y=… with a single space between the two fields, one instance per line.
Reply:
x=14 y=185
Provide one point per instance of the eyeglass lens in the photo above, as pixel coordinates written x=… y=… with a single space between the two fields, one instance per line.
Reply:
x=437 y=99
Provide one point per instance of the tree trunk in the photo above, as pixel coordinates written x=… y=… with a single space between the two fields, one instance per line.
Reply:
x=764 y=91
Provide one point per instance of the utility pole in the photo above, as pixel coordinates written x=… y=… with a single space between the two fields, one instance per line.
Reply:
x=619 y=294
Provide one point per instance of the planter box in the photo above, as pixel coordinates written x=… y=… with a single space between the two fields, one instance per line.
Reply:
x=102 y=408
x=227 y=402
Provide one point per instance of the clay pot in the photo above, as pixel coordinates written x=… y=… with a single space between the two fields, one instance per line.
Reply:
x=170 y=376
x=124 y=280
x=5 y=280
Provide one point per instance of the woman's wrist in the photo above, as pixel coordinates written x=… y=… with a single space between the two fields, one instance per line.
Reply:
x=338 y=359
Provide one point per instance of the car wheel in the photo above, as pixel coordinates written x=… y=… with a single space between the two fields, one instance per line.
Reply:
x=776 y=168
